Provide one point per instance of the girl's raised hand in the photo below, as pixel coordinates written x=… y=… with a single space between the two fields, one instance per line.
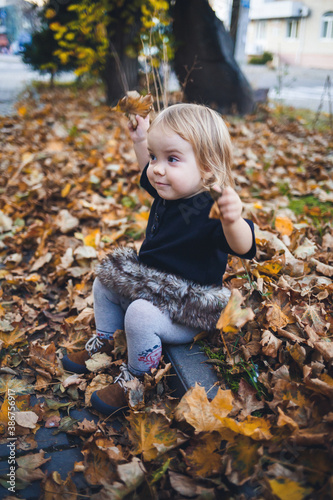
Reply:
x=229 y=204
x=140 y=133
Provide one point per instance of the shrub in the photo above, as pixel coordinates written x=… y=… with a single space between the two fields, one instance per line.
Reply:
x=262 y=59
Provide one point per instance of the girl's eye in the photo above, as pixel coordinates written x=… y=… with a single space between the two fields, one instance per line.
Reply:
x=172 y=159
x=152 y=157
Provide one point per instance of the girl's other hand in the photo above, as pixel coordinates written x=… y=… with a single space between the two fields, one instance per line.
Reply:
x=229 y=204
x=140 y=133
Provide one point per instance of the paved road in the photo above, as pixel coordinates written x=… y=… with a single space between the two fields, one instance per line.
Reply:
x=14 y=78
x=301 y=87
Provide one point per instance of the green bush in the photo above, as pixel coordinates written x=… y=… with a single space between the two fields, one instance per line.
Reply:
x=262 y=59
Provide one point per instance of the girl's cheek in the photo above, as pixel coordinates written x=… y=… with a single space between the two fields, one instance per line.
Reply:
x=149 y=174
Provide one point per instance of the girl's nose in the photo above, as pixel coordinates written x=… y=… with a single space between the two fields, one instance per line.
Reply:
x=158 y=169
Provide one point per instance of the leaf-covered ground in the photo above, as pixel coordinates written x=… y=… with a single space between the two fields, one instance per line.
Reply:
x=69 y=192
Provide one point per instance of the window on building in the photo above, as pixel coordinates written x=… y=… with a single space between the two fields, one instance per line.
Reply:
x=261 y=30
x=292 y=28
x=327 y=25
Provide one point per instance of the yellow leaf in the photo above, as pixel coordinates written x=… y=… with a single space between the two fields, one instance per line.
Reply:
x=270 y=267
x=65 y=191
x=12 y=338
x=152 y=435
x=4 y=411
x=233 y=317
x=253 y=427
x=285 y=488
x=34 y=277
x=284 y=225
x=93 y=238
x=195 y=408
x=50 y=13
x=22 y=111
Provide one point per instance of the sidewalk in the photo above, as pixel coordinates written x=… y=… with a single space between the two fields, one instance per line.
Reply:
x=299 y=87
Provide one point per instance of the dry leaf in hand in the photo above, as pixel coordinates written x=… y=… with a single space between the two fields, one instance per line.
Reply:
x=135 y=104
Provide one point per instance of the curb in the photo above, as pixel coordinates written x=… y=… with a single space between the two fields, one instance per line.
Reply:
x=188 y=367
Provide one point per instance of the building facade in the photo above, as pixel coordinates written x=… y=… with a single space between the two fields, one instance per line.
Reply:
x=297 y=33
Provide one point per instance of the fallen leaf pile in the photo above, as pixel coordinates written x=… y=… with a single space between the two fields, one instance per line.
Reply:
x=69 y=193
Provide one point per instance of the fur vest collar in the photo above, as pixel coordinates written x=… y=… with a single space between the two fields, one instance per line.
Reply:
x=187 y=302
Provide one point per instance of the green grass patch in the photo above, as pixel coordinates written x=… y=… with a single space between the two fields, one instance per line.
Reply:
x=232 y=375
x=310 y=205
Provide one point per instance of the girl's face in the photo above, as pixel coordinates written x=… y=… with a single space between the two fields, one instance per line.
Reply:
x=173 y=169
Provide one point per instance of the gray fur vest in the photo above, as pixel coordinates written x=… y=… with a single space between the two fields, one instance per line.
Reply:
x=187 y=302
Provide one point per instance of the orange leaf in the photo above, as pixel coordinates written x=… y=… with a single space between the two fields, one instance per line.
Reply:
x=233 y=317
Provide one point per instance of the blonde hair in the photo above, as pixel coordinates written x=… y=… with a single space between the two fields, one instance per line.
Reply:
x=209 y=137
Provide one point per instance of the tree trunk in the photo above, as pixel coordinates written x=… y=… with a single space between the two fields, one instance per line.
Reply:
x=204 y=60
x=121 y=71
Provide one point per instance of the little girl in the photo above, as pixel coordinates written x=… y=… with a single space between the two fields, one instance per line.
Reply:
x=173 y=289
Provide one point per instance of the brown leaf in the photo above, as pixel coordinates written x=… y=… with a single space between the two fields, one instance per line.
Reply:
x=151 y=435
x=270 y=344
x=56 y=489
x=247 y=400
x=203 y=457
x=189 y=488
x=311 y=315
x=98 y=468
x=135 y=104
x=242 y=457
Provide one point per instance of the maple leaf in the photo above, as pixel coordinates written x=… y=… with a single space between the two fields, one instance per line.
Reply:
x=241 y=457
x=14 y=384
x=15 y=337
x=151 y=435
x=98 y=467
x=45 y=357
x=247 y=401
x=202 y=456
x=135 y=104
x=233 y=317
x=311 y=315
x=195 y=408
x=254 y=427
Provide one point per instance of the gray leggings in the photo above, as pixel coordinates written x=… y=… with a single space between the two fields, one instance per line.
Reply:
x=145 y=325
